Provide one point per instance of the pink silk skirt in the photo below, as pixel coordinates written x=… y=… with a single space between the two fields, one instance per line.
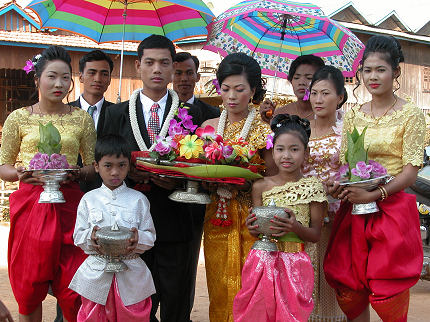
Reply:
x=276 y=286
x=114 y=310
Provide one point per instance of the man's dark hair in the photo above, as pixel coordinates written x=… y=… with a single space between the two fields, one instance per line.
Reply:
x=95 y=55
x=112 y=145
x=183 y=56
x=156 y=41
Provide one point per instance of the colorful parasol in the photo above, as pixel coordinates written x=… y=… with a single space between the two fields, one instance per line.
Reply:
x=104 y=20
x=276 y=32
x=125 y=20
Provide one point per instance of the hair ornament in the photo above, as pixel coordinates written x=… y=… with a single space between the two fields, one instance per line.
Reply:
x=30 y=64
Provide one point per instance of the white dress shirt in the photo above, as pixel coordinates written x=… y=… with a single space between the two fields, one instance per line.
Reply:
x=191 y=100
x=98 y=105
x=101 y=207
x=146 y=107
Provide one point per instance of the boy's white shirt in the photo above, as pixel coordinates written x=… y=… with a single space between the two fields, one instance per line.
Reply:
x=101 y=207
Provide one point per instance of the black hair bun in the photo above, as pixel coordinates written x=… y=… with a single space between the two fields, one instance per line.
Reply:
x=281 y=120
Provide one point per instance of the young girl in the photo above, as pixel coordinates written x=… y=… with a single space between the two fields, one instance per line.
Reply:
x=377 y=257
x=122 y=296
x=277 y=286
x=327 y=95
x=41 y=253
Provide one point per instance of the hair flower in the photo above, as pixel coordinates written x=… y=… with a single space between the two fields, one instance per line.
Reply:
x=216 y=85
x=29 y=66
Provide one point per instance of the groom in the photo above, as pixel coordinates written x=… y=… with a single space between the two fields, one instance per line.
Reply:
x=139 y=120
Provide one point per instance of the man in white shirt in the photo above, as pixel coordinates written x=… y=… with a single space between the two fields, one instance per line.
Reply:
x=95 y=69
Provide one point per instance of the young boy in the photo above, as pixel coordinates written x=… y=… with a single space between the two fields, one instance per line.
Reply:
x=123 y=296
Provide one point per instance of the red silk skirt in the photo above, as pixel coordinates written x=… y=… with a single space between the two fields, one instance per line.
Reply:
x=41 y=252
x=381 y=252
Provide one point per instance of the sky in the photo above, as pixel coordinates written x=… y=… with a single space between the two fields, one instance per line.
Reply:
x=413 y=13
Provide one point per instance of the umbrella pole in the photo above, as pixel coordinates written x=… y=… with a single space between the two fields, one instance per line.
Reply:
x=284 y=26
x=124 y=15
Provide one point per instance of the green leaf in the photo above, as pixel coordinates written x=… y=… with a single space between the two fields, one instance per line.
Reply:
x=50 y=139
x=355 y=134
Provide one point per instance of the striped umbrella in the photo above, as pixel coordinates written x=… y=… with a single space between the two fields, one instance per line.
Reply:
x=125 y=20
x=275 y=32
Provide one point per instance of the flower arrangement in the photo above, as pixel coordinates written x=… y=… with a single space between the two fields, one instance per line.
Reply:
x=49 y=148
x=188 y=143
x=358 y=167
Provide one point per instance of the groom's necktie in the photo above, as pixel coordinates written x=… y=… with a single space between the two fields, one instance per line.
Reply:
x=91 y=110
x=154 y=123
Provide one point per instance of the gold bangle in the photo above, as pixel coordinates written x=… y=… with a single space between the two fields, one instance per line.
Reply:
x=383 y=196
x=385 y=191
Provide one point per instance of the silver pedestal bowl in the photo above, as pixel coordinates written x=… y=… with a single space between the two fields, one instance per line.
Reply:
x=369 y=185
x=191 y=194
x=113 y=241
x=51 y=179
x=264 y=215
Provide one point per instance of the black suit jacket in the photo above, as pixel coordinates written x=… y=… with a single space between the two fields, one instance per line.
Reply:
x=206 y=111
x=101 y=121
x=97 y=182
x=172 y=220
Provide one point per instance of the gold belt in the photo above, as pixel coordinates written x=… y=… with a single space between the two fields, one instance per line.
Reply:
x=290 y=247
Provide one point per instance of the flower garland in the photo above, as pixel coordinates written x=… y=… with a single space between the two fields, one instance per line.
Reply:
x=135 y=126
x=224 y=194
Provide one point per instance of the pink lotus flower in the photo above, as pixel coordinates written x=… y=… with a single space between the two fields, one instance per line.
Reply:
x=164 y=147
x=342 y=173
x=206 y=132
x=377 y=169
x=29 y=66
x=362 y=170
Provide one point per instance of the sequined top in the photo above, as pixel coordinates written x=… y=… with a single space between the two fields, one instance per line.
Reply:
x=394 y=140
x=297 y=196
x=257 y=135
x=21 y=135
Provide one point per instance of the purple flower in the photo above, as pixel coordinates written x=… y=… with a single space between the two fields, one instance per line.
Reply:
x=39 y=161
x=269 y=141
x=342 y=173
x=175 y=128
x=377 y=169
x=183 y=114
x=164 y=147
x=188 y=124
x=29 y=66
x=362 y=170
x=227 y=151
x=216 y=85
x=57 y=161
x=307 y=94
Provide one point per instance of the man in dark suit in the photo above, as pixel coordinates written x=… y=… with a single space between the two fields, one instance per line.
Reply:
x=95 y=69
x=137 y=120
x=184 y=82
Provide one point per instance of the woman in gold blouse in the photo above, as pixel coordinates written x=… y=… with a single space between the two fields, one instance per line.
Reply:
x=41 y=252
x=226 y=246
x=376 y=258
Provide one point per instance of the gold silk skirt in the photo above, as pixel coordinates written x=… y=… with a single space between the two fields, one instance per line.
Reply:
x=226 y=249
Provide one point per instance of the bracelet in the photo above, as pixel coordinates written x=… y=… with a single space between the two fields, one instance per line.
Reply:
x=383 y=192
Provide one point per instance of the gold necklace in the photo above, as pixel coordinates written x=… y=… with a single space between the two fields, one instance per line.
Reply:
x=377 y=119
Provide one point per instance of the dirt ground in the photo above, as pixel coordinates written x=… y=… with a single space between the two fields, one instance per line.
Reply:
x=419 y=309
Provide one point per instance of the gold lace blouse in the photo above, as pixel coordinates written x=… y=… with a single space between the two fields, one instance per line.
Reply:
x=21 y=135
x=297 y=196
x=394 y=141
x=257 y=135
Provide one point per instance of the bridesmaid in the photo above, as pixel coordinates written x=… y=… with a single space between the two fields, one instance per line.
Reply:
x=327 y=95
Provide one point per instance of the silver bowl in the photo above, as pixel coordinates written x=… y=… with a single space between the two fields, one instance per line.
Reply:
x=264 y=215
x=369 y=185
x=113 y=241
x=51 y=179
